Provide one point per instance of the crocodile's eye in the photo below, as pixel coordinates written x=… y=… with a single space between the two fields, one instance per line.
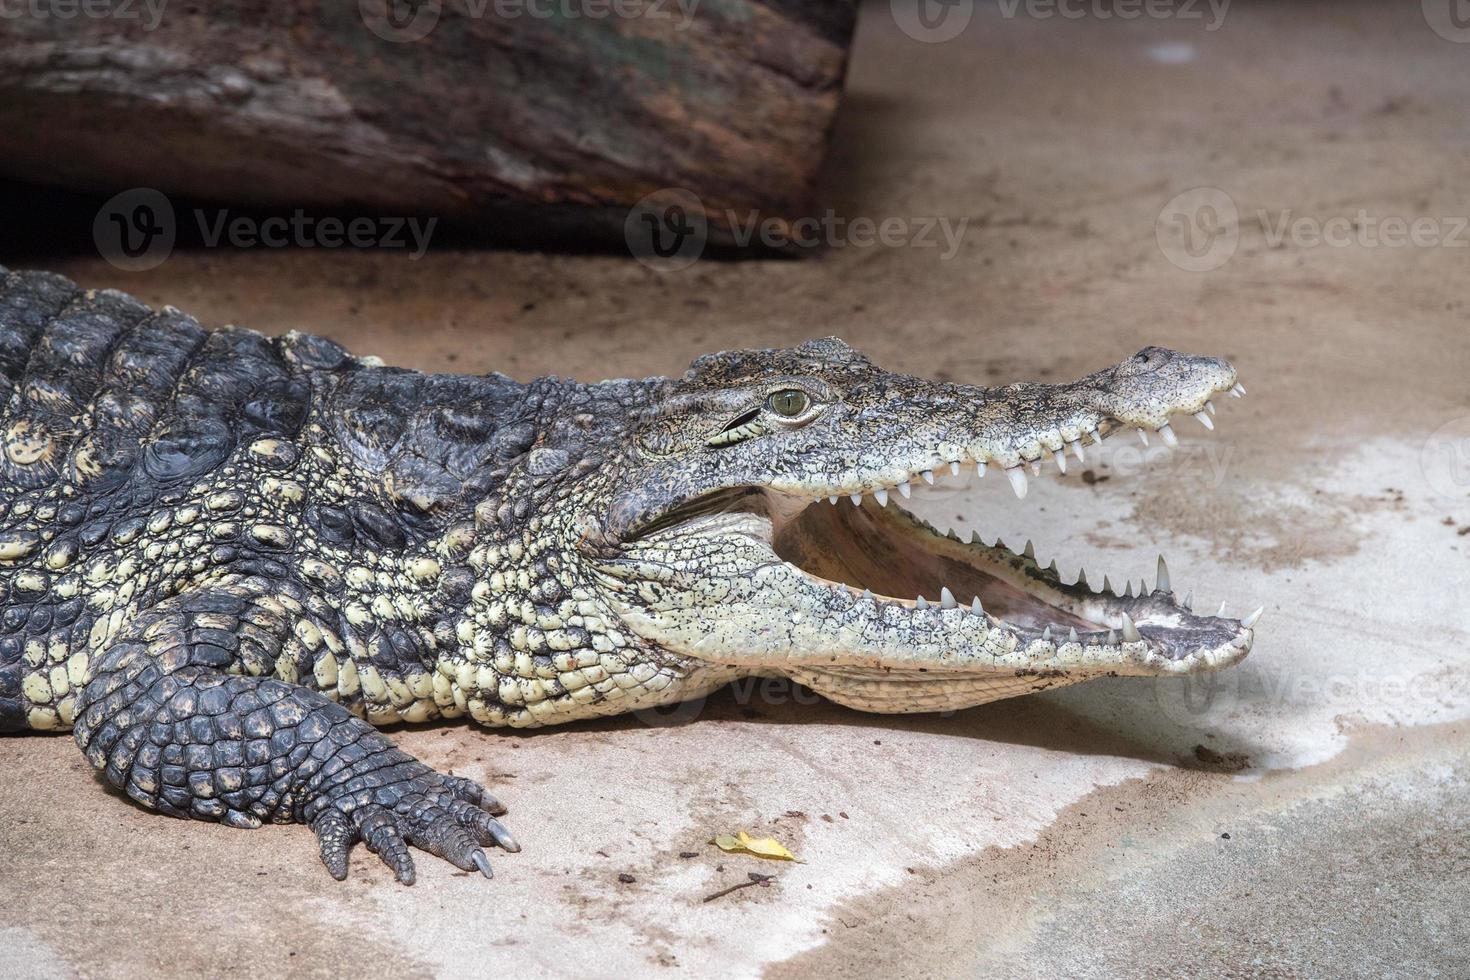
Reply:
x=788 y=402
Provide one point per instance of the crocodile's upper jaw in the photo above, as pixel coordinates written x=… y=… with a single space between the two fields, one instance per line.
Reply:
x=854 y=595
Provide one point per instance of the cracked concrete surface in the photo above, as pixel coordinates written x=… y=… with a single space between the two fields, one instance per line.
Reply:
x=1080 y=831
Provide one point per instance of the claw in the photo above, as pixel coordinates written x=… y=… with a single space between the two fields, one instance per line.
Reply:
x=483 y=863
x=472 y=792
x=503 y=837
x=335 y=836
x=487 y=829
x=376 y=827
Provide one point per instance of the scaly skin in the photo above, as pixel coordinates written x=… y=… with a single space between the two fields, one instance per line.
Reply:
x=226 y=558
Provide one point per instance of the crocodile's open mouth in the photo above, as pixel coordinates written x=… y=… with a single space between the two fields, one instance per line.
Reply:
x=883 y=554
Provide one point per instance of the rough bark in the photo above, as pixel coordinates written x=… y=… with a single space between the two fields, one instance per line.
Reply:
x=520 y=125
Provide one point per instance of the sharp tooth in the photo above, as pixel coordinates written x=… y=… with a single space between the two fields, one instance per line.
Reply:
x=1128 y=592
x=868 y=594
x=1112 y=638
x=1072 y=634
x=928 y=477
x=1163 y=576
x=980 y=469
x=921 y=603
x=1108 y=586
x=1143 y=435
x=975 y=608
x=1061 y=459
x=975 y=538
x=832 y=499
x=954 y=469
x=1168 y=435
x=1082 y=580
x=1076 y=446
x=1035 y=465
x=1053 y=571
x=1209 y=406
x=1018 y=480
x=1250 y=620
x=1046 y=634
x=904 y=490
x=857 y=499
x=1221 y=613
x=946 y=598
x=1029 y=551
x=1188 y=602
x=1130 y=632
x=881 y=495
x=1204 y=420
x=1239 y=390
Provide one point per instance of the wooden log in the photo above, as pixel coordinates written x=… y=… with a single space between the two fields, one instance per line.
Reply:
x=524 y=119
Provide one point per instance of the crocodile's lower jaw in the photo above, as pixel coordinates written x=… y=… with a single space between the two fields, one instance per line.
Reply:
x=883 y=555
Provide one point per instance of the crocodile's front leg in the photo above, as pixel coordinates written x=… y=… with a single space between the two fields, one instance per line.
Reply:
x=167 y=721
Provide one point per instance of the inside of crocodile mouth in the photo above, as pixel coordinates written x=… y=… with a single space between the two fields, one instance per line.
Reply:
x=898 y=559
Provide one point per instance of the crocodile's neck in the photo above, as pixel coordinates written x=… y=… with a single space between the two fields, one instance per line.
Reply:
x=479 y=558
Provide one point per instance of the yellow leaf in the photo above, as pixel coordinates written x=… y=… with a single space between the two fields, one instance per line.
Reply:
x=743 y=843
x=767 y=847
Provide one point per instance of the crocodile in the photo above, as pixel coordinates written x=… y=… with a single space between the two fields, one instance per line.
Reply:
x=227 y=559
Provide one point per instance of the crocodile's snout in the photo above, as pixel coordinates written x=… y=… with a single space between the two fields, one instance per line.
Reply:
x=829 y=575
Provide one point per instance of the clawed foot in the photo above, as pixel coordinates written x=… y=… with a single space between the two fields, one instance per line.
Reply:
x=448 y=816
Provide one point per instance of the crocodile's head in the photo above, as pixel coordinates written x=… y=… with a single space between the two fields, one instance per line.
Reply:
x=759 y=520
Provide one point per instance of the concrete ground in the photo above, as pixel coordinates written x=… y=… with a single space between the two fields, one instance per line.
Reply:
x=1304 y=815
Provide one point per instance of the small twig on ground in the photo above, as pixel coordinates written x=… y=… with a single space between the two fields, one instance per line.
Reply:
x=756 y=878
